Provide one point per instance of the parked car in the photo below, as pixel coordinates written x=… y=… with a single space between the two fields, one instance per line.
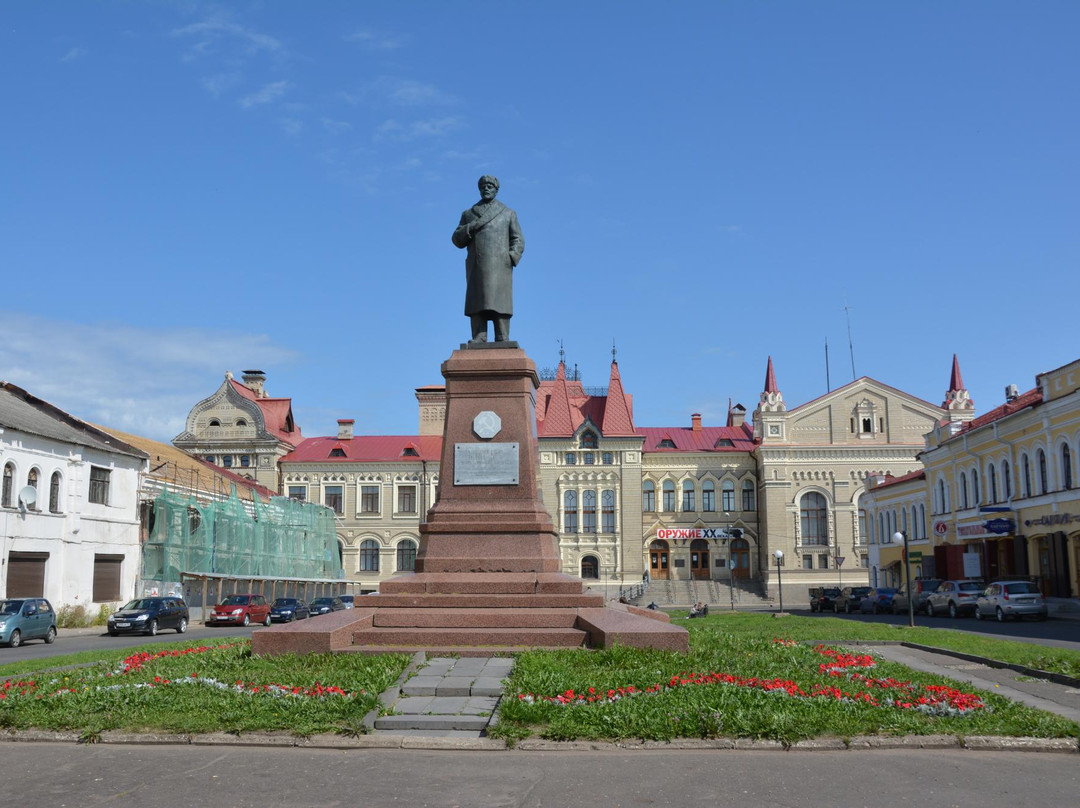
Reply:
x=241 y=610
x=955 y=597
x=348 y=600
x=922 y=588
x=849 y=597
x=148 y=616
x=1005 y=599
x=285 y=610
x=26 y=619
x=877 y=600
x=326 y=605
x=822 y=597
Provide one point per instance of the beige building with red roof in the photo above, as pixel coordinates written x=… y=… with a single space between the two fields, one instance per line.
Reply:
x=243 y=429
x=999 y=491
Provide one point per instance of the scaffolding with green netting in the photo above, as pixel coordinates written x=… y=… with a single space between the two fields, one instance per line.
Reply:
x=284 y=538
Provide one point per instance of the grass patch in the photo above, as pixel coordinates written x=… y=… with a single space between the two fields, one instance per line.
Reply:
x=186 y=688
x=771 y=690
x=838 y=630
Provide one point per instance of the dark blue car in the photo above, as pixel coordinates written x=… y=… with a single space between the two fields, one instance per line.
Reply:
x=877 y=600
x=285 y=610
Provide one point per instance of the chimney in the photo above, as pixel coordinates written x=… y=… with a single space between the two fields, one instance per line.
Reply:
x=345 y=428
x=695 y=422
x=255 y=380
x=1012 y=392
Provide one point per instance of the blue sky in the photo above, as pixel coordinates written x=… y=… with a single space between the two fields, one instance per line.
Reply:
x=188 y=188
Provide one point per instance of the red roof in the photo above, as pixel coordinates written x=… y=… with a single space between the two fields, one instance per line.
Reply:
x=617 y=417
x=770 y=379
x=277 y=413
x=1029 y=399
x=903 y=478
x=956 y=381
x=556 y=419
x=367 y=449
x=704 y=440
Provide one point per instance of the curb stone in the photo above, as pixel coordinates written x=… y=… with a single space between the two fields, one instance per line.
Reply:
x=244 y=739
x=819 y=745
x=904 y=742
x=149 y=738
x=1001 y=744
x=1050 y=676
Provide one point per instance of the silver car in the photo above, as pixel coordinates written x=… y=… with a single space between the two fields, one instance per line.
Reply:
x=1005 y=599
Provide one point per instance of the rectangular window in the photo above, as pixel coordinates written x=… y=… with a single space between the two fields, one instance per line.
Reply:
x=823 y=562
x=570 y=521
x=99 y=485
x=708 y=500
x=369 y=499
x=688 y=499
x=334 y=498
x=808 y=562
x=669 y=499
x=607 y=512
x=298 y=492
x=406 y=499
x=748 y=503
x=588 y=512
x=107 y=577
x=727 y=497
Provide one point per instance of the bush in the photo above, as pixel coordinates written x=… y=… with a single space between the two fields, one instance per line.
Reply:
x=72 y=617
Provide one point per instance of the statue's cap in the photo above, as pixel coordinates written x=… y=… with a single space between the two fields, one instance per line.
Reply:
x=487 y=178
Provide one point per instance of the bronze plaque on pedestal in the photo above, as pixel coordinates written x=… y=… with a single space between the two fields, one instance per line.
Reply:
x=485 y=464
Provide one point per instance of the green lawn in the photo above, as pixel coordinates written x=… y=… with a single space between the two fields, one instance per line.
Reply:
x=750 y=675
x=187 y=688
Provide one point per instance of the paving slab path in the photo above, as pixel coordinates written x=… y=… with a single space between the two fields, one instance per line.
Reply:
x=448 y=697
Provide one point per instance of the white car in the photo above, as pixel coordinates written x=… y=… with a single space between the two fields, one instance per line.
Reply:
x=1005 y=599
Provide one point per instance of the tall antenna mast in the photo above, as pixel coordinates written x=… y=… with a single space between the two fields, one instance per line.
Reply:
x=828 y=384
x=851 y=344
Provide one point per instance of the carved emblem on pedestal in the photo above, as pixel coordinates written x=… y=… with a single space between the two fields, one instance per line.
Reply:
x=487 y=425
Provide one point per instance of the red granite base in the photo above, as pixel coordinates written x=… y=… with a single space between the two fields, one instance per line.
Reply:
x=476 y=614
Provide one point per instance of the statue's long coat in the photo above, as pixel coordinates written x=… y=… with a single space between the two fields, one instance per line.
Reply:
x=493 y=252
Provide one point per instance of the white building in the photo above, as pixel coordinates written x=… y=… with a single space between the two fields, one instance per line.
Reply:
x=68 y=507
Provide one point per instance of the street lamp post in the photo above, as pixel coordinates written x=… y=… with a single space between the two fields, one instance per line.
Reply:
x=779 y=556
x=901 y=536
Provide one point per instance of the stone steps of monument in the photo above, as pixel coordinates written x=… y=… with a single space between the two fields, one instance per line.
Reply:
x=475 y=618
x=454 y=650
x=440 y=639
x=432 y=723
x=483 y=583
x=461 y=601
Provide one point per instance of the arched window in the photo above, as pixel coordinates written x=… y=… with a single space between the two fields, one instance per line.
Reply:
x=708 y=496
x=688 y=495
x=607 y=458
x=590 y=567
x=588 y=511
x=369 y=555
x=241 y=422
x=943 y=504
x=922 y=521
x=1066 y=467
x=1025 y=474
x=903 y=521
x=1006 y=476
x=571 y=459
x=215 y=422
x=648 y=496
x=32 y=481
x=976 y=491
x=1044 y=484
x=727 y=496
x=406 y=555
x=588 y=440
x=54 y=493
x=9 y=485
x=607 y=511
x=915 y=523
x=813 y=512
x=748 y=497
x=963 y=490
x=590 y=458
x=881 y=527
x=669 y=496
x=993 y=485
x=864 y=527
x=570 y=512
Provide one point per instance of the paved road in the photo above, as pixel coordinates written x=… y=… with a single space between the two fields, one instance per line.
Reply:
x=71 y=641
x=60 y=775
x=1060 y=633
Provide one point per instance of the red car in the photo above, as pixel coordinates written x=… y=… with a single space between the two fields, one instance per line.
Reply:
x=240 y=610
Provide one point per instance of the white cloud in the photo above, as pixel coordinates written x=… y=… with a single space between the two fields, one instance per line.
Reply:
x=219 y=83
x=73 y=54
x=269 y=93
x=206 y=35
x=400 y=92
x=336 y=127
x=291 y=126
x=137 y=380
x=392 y=129
x=375 y=40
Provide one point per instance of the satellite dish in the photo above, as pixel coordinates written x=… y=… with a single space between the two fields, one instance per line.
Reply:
x=28 y=495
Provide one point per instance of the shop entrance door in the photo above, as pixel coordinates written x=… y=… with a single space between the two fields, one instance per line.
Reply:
x=699 y=559
x=740 y=558
x=659 y=559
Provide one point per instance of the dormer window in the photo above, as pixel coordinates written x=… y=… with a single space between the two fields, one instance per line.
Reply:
x=867 y=425
x=337 y=452
x=215 y=422
x=723 y=442
x=588 y=440
x=241 y=422
x=410 y=451
x=666 y=443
